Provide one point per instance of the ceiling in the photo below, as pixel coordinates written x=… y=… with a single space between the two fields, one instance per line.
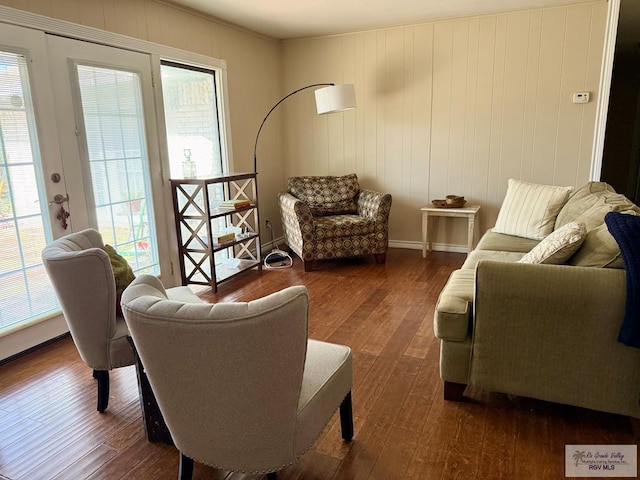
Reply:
x=285 y=19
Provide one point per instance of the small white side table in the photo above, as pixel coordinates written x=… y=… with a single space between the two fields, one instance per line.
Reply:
x=469 y=212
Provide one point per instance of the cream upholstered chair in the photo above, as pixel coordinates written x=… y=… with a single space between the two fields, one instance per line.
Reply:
x=240 y=385
x=82 y=277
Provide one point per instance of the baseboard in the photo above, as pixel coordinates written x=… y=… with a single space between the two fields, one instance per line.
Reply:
x=437 y=247
x=31 y=350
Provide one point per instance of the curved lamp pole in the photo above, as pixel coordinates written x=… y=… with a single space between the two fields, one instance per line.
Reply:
x=335 y=99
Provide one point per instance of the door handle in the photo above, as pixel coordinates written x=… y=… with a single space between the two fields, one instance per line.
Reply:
x=59 y=199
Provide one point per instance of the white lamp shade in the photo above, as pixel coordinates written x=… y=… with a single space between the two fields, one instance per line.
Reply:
x=335 y=98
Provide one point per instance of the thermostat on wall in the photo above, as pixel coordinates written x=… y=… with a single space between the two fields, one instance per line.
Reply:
x=581 y=97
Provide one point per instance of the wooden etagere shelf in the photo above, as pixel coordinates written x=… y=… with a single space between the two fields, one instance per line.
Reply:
x=200 y=219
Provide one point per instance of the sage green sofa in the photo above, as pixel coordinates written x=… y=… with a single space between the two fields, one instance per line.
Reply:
x=544 y=331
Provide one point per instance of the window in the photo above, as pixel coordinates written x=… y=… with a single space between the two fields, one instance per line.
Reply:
x=191 y=118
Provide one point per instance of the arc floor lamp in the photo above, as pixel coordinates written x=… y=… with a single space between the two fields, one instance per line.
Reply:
x=330 y=99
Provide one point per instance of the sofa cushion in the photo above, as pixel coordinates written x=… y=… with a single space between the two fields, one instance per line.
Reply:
x=529 y=210
x=327 y=195
x=495 y=255
x=593 y=217
x=583 y=199
x=558 y=246
x=599 y=249
x=335 y=226
x=453 y=311
x=505 y=243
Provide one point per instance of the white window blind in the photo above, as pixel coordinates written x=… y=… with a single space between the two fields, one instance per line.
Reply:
x=25 y=291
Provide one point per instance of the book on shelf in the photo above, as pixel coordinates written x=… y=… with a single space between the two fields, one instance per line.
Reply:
x=237 y=203
x=223 y=237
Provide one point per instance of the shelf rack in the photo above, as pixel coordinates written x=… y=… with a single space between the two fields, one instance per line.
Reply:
x=198 y=217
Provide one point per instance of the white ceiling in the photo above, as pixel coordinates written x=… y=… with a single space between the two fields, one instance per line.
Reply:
x=309 y=18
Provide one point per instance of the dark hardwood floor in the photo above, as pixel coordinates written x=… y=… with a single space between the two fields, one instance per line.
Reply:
x=49 y=428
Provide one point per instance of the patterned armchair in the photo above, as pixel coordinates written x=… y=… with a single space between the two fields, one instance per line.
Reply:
x=330 y=217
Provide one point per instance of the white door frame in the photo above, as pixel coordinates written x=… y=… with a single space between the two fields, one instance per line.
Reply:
x=606 y=72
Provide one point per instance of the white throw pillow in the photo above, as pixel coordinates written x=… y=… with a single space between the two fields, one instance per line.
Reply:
x=529 y=210
x=559 y=246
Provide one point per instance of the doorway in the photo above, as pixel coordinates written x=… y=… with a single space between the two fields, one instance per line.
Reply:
x=621 y=155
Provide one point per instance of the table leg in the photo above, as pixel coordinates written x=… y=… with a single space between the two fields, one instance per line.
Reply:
x=471 y=232
x=425 y=233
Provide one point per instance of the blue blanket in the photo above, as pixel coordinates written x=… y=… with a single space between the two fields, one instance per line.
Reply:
x=626 y=230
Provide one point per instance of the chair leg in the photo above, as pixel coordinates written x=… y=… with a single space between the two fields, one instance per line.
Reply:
x=103 y=388
x=381 y=258
x=272 y=476
x=308 y=265
x=186 y=467
x=346 y=418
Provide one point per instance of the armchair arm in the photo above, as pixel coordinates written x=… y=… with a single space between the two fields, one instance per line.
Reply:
x=374 y=205
x=297 y=221
x=377 y=206
x=550 y=332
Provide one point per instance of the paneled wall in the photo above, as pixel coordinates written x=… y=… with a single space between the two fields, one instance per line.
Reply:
x=451 y=107
x=447 y=107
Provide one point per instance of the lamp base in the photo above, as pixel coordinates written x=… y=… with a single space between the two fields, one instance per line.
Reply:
x=278 y=259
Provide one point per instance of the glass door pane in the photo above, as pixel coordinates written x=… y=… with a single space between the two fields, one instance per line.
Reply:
x=114 y=129
x=192 y=123
x=191 y=116
x=25 y=290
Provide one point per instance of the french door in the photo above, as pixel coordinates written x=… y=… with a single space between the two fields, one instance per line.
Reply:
x=78 y=149
x=29 y=164
x=106 y=119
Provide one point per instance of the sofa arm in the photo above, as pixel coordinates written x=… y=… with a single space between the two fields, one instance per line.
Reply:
x=550 y=332
x=297 y=221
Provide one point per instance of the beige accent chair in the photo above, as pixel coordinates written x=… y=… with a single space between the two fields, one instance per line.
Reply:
x=81 y=274
x=240 y=385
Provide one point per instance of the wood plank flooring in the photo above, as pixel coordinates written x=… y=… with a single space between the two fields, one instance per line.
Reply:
x=49 y=428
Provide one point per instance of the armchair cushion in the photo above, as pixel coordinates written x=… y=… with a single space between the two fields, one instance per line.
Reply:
x=326 y=195
x=343 y=226
x=122 y=274
x=122 y=271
